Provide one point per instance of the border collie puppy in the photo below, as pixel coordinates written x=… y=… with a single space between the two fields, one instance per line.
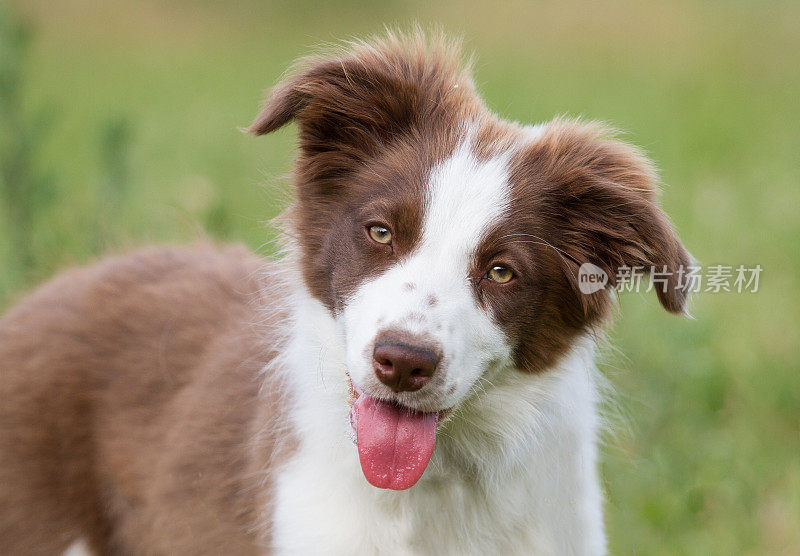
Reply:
x=415 y=376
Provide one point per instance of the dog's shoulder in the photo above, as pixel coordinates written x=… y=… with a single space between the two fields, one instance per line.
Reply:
x=155 y=360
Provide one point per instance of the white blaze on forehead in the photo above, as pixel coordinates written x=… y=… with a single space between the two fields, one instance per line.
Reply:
x=466 y=196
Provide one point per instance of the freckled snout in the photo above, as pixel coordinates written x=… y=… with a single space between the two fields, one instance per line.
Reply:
x=404 y=363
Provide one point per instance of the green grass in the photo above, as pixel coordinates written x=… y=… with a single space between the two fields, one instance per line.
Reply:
x=136 y=106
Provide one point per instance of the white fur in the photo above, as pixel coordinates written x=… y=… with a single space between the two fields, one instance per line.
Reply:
x=78 y=548
x=534 y=132
x=513 y=471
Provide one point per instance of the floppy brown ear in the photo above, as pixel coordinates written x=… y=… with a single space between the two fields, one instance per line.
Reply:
x=356 y=100
x=281 y=107
x=601 y=203
x=288 y=100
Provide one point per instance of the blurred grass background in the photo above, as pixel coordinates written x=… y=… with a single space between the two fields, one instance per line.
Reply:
x=118 y=127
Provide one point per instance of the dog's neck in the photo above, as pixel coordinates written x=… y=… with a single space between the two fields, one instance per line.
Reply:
x=518 y=456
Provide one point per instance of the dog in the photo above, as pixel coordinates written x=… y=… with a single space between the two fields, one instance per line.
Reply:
x=414 y=375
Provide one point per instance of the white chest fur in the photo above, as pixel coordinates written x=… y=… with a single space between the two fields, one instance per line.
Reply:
x=514 y=470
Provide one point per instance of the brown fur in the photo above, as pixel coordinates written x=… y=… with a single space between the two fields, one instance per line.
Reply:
x=130 y=406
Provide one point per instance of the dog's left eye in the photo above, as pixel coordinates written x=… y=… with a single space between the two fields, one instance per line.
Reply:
x=380 y=234
x=500 y=274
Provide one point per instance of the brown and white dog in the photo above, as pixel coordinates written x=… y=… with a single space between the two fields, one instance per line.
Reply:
x=205 y=401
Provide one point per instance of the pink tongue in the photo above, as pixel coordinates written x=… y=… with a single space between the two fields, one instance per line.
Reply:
x=394 y=444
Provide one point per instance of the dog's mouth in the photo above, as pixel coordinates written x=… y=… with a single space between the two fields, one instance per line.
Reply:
x=395 y=443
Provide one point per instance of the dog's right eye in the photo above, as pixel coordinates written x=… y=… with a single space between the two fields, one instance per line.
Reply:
x=381 y=235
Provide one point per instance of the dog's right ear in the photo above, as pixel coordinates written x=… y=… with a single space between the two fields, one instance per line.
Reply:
x=280 y=108
x=345 y=108
x=285 y=102
x=355 y=102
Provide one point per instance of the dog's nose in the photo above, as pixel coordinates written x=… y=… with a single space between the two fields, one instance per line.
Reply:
x=404 y=364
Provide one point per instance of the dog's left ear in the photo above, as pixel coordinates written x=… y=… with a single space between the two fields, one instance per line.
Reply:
x=600 y=202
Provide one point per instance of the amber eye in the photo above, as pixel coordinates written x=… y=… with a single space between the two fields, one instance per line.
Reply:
x=500 y=274
x=380 y=234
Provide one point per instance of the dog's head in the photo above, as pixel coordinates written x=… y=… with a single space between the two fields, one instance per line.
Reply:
x=447 y=242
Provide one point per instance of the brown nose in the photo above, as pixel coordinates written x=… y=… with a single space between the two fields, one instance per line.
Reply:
x=404 y=365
